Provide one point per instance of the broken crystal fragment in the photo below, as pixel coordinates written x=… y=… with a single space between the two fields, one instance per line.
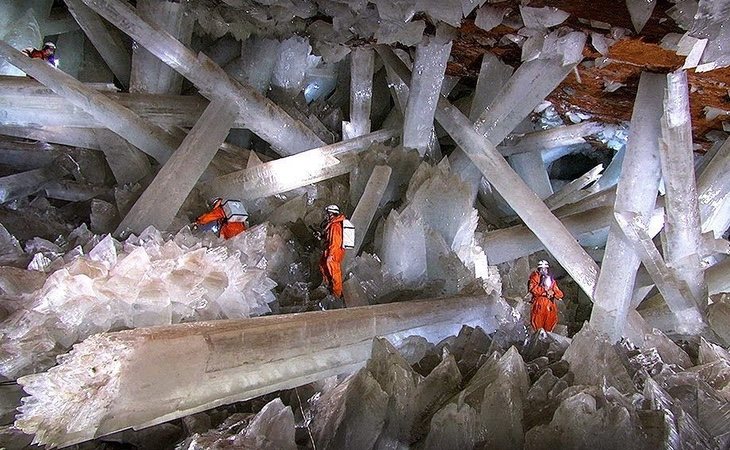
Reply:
x=545 y=17
x=640 y=11
x=489 y=16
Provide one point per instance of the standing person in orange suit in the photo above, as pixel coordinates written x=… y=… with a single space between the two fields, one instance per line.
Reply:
x=330 y=264
x=544 y=290
x=219 y=221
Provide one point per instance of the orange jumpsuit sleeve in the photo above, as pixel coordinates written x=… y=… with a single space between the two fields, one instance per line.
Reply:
x=534 y=286
x=216 y=213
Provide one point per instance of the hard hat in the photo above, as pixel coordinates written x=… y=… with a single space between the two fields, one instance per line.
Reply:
x=542 y=263
x=49 y=46
x=213 y=200
x=334 y=209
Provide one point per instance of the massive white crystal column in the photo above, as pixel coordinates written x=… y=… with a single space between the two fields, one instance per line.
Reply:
x=76 y=137
x=260 y=115
x=291 y=172
x=149 y=74
x=362 y=64
x=366 y=208
x=161 y=201
x=147 y=137
x=682 y=230
x=636 y=193
x=492 y=165
x=111 y=49
x=679 y=298
x=713 y=188
x=143 y=377
x=425 y=87
x=529 y=86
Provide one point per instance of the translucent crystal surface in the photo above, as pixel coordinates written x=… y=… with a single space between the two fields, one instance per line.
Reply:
x=714 y=192
x=292 y=64
x=429 y=67
x=149 y=74
x=23 y=32
x=682 y=229
x=545 y=17
x=361 y=92
x=640 y=11
x=489 y=16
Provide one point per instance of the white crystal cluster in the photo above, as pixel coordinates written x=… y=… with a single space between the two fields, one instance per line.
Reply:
x=271 y=429
x=143 y=281
x=428 y=243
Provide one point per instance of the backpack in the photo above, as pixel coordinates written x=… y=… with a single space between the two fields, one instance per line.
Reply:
x=348 y=234
x=234 y=211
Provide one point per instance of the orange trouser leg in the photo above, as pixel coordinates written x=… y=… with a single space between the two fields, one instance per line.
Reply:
x=334 y=267
x=324 y=271
x=544 y=314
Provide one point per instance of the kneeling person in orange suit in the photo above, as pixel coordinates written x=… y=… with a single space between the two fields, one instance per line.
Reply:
x=544 y=290
x=225 y=219
x=339 y=234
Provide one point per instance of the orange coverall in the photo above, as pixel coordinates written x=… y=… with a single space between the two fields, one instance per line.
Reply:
x=228 y=229
x=544 y=311
x=330 y=264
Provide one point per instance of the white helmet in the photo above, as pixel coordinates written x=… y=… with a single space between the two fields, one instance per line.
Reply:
x=334 y=209
x=542 y=264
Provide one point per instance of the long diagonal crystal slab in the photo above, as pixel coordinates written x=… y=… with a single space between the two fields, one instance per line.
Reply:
x=291 y=172
x=139 y=378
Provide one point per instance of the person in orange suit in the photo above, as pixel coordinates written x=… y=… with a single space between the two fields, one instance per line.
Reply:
x=330 y=264
x=215 y=220
x=47 y=53
x=544 y=290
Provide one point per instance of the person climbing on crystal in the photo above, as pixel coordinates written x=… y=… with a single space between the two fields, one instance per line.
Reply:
x=226 y=218
x=47 y=53
x=336 y=240
x=544 y=290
